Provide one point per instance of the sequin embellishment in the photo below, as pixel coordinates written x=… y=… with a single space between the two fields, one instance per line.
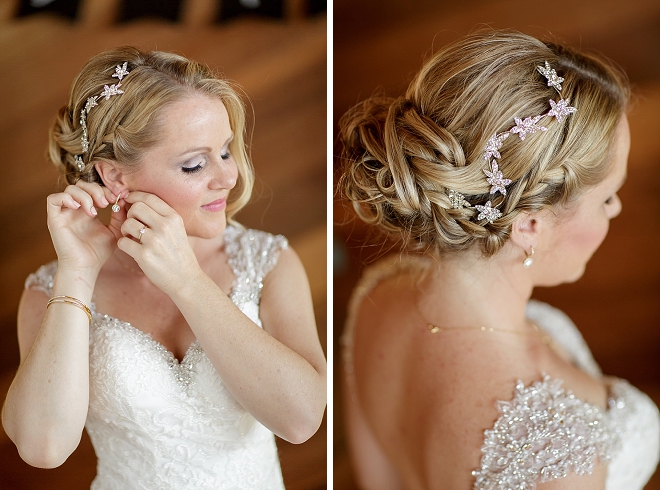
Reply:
x=541 y=435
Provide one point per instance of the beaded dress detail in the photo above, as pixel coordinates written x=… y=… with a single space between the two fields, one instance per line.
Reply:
x=545 y=432
x=156 y=423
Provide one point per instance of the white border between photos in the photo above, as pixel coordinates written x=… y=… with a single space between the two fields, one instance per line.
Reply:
x=329 y=254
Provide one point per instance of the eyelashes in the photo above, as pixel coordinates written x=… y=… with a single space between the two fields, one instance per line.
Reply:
x=202 y=163
x=196 y=168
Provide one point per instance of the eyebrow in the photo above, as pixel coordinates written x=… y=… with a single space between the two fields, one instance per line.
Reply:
x=206 y=148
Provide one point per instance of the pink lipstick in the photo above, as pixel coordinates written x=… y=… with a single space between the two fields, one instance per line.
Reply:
x=215 y=206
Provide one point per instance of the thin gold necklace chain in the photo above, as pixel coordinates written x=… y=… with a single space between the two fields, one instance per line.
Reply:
x=545 y=338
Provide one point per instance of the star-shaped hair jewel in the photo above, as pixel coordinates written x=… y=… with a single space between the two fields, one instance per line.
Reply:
x=527 y=126
x=91 y=102
x=108 y=91
x=493 y=146
x=457 y=200
x=554 y=80
x=560 y=109
x=523 y=128
x=121 y=71
x=487 y=212
x=496 y=179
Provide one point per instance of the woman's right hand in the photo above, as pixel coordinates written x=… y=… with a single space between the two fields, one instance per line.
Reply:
x=81 y=240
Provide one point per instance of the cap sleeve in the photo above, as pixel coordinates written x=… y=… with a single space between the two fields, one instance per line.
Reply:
x=544 y=433
x=252 y=254
x=42 y=279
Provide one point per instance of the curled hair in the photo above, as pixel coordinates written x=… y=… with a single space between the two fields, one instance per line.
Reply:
x=123 y=128
x=402 y=155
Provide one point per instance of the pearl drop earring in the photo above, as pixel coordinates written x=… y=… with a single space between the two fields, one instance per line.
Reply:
x=527 y=263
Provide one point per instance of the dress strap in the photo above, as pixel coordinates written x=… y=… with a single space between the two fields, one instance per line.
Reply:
x=252 y=254
x=42 y=280
x=384 y=268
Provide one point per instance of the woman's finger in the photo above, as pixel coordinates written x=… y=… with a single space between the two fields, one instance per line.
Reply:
x=151 y=200
x=57 y=201
x=83 y=197
x=131 y=247
x=100 y=194
x=145 y=214
x=133 y=227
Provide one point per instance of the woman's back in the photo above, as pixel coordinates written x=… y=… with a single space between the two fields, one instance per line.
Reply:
x=500 y=165
x=425 y=399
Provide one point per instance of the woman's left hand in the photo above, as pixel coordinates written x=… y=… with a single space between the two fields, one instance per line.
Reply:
x=155 y=236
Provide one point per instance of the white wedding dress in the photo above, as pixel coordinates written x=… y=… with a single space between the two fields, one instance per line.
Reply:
x=545 y=432
x=158 y=424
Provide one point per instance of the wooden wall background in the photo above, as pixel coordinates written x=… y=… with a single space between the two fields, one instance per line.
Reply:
x=281 y=64
x=616 y=304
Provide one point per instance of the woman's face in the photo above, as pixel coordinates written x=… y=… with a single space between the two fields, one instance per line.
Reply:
x=572 y=239
x=191 y=169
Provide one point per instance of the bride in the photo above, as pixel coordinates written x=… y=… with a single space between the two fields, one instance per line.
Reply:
x=498 y=170
x=179 y=339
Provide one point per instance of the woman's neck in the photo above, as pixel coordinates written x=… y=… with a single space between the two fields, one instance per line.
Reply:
x=468 y=290
x=206 y=249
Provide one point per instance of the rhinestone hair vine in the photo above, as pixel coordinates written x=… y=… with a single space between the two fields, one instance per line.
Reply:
x=108 y=91
x=523 y=128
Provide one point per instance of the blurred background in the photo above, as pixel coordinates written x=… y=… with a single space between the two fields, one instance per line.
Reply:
x=275 y=49
x=382 y=44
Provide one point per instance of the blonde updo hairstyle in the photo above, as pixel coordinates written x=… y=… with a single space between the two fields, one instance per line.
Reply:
x=402 y=156
x=125 y=126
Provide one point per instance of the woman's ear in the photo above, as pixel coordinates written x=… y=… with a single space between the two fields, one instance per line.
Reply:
x=112 y=175
x=527 y=228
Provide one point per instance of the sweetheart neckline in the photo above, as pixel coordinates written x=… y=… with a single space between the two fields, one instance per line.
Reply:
x=159 y=345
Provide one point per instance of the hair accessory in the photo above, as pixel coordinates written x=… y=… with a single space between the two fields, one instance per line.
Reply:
x=70 y=300
x=108 y=91
x=457 y=200
x=487 y=212
x=551 y=75
x=527 y=263
x=115 y=206
x=522 y=128
x=496 y=179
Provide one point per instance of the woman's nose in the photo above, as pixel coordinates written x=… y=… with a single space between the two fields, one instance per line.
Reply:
x=225 y=175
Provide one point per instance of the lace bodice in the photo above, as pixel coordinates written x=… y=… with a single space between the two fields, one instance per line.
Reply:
x=545 y=432
x=159 y=424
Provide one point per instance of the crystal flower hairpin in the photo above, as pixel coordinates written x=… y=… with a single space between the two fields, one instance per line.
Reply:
x=523 y=128
x=108 y=91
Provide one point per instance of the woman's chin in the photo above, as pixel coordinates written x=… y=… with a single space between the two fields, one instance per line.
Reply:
x=209 y=231
x=575 y=276
x=563 y=279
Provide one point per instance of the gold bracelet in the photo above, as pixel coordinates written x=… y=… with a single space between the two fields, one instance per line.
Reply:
x=71 y=301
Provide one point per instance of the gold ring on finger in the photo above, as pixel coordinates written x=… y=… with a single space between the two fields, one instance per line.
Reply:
x=142 y=232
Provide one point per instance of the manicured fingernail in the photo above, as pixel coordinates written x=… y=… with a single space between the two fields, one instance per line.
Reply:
x=76 y=204
x=93 y=210
x=104 y=201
